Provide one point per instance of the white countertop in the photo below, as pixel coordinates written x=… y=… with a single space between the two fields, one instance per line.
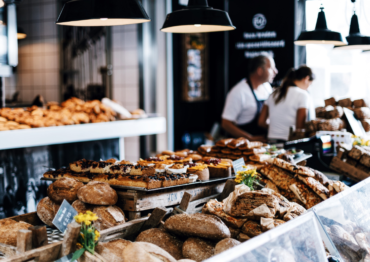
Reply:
x=81 y=133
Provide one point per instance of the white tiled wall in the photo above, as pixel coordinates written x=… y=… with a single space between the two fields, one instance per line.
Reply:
x=39 y=66
x=126 y=77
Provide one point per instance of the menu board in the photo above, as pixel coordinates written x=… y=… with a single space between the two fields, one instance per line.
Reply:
x=296 y=241
x=346 y=221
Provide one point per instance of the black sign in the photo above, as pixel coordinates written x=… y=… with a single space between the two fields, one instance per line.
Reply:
x=261 y=26
x=64 y=216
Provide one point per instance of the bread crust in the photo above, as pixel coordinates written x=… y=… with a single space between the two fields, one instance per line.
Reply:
x=9 y=229
x=106 y=219
x=97 y=193
x=145 y=252
x=112 y=251
x=82 y=207
x=46 y=211
x=226 y=244
x=64 y=188
x=197 y=225
x=198 y=249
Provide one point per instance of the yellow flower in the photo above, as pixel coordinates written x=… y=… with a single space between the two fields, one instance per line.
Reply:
x=87 y=223
x=82 y=235
x=90 y=230
x=97 y=235
x=79 y=246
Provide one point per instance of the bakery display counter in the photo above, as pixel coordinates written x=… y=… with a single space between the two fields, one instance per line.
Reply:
x=80 y=133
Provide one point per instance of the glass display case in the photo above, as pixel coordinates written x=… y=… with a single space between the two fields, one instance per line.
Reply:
x=296 y=240
x=345 y=219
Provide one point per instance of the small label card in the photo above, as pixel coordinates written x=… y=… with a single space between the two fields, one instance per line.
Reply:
x=64 y=216
x=238 y=165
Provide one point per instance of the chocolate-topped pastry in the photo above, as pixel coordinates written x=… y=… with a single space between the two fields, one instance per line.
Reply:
x=81 y=166
x=140 y=170
x=102 y=167
x=120 y=169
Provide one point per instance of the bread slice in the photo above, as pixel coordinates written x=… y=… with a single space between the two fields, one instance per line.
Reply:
x=301 y=170
x=318 y=188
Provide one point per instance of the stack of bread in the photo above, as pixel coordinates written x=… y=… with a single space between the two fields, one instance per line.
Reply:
x=74 y=111
x=186 y=238
x=235 y=149
x=97 y=197
x=299 y=184
x=359 y=157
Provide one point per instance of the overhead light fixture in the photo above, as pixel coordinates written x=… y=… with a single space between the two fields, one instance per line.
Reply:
x=321 y=34
x=21 y=34
x=197 y=17
x=102 y=13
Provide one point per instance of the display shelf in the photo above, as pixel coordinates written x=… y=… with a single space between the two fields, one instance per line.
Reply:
x=82 y=133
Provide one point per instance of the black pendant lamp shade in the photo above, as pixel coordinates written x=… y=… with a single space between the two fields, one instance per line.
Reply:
x=197 y=17
x=102 y=13
x=321 y=35
x=21 y=34
x=355 y=39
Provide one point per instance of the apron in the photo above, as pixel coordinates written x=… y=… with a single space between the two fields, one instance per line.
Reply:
x=252 y=127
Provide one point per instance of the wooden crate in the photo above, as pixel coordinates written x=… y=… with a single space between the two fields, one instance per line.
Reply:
x=136 y=201
x=338 y=165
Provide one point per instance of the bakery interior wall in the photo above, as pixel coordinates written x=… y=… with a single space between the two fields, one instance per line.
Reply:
x=227 y=64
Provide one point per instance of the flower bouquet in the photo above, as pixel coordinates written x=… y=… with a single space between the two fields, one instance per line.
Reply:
x=247 y=177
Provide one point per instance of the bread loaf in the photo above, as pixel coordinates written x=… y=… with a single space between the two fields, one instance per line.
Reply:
x=82 y=207
x=197 y=225
x=362 y=113
x=64 y=188
x=359 y=103
x=163 y=239
x=109 y=216
x=336 y=112
x=98 y=193
x=366 y=124
x=345 y=102
x=365 y=159
x=145 y=252
x=225 y=244
x=46 y=211
x=330 y=102
x=356 y=152
x=112 y=251
x=252 y=229
x=9 y=230
x=198 y=249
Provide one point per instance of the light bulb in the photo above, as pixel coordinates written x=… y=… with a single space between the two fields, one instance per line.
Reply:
x=197 y=25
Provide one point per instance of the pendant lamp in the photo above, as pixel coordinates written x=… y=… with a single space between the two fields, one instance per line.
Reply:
x=21 y=34
x=197 y=17
x=102 y=13
x=321 y=35
x=355 y=39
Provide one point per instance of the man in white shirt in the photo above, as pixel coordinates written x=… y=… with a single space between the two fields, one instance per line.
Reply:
x=245 y=100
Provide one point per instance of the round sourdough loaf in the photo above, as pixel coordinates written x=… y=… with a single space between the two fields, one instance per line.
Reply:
x=97 y=193
x=9 y=230
x=112 y=251
x=197 y=225
x=198 y=249
x=64 y=188
x=82 y=207
x=145 y=252
x=109 y=216
x=46 y=210
x=163 y=239
x=225 y=244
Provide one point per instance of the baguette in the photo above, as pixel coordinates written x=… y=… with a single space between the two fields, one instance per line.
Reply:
x=164 y=240
x=145 y=252
x=225 y=244
x=198 y=249
x=197 y=225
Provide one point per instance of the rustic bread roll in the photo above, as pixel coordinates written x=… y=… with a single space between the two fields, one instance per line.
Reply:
x=163 y=239
x=64 y=188
x=9 y=230
x=225 y=244
x=112 y=251
x=145 y=252
x=82 y=207
x=46 y=211
x=197 y=225
x=110 y=216
x=97 y=193
x=330 y=102
x=198 y=249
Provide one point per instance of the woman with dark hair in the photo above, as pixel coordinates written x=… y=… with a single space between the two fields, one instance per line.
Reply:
x=289 y=105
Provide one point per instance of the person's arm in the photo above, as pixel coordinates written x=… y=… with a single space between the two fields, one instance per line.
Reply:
x=262 y=121
x=235 y=131
x=301 y=118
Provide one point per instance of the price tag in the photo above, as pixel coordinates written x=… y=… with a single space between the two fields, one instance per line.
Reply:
x=64 y=216
x=238 y=165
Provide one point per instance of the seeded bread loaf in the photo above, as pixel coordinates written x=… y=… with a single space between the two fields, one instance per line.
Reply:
x=163 y=239
x=97 y=193
x=64 y=188
x=9 y=230
x=109 y=216
x=225 y=244
x=198 y=249
x=112 y=251
x=46 y=211
x=145 y=252
x=197 y=225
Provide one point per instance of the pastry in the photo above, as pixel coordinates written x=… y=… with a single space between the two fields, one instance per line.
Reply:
x=102 y=167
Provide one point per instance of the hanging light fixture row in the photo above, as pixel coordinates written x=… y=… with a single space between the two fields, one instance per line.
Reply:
x=197 y=17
